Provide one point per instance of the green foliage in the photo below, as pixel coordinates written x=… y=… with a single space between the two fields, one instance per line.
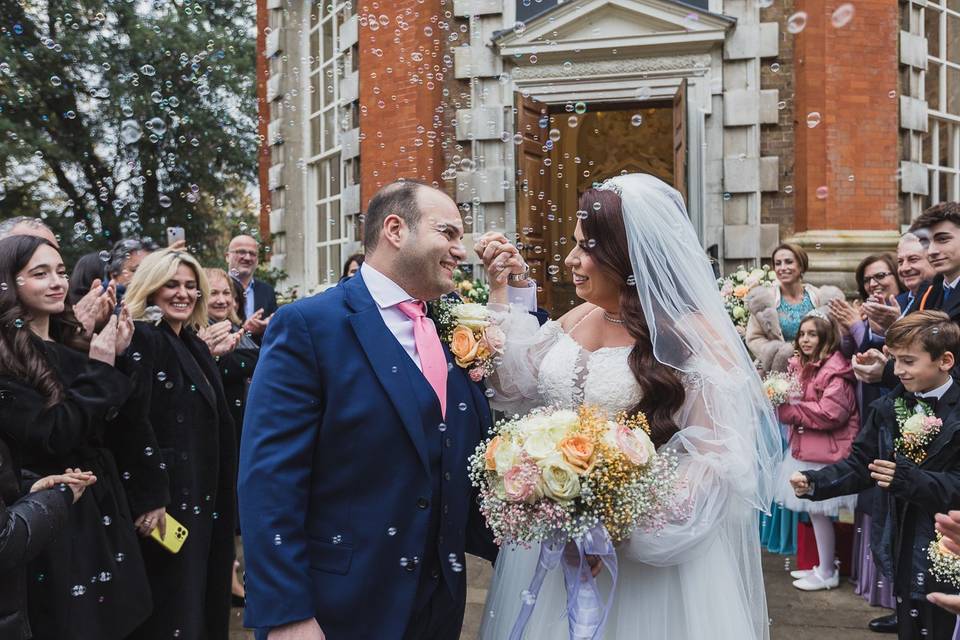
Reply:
x=123 y=117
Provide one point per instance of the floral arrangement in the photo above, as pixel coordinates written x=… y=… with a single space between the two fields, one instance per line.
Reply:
x=781 y=387
x=918 y=428
x=944 y=564
x=470 y=289
x=475 y=342
x=734 y=289
x=560 y=473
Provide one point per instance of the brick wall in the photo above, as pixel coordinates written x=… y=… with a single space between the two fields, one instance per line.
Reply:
x=778 y=139
x=400 y=92
x=846 y=74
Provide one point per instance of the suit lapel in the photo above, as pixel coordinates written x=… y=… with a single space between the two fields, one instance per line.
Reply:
x=946 y=411
x=384 y=353
x=189 y=363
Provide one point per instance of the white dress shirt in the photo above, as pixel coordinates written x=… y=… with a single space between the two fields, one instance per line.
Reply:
x=388 y=294
x=937 y=393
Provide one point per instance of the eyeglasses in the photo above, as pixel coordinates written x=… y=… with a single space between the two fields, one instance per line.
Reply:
x=877 y=277
x=244 y=253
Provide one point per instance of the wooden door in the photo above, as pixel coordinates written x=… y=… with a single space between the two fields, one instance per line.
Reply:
x=532 y=181
x=680 y=139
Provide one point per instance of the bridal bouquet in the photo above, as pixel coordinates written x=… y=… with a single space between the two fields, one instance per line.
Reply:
x=781 y=387
x=474 y=340
x=734 y=289
x=577 y=482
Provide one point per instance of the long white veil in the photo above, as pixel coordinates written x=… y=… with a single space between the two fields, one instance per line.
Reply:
x=691 y=331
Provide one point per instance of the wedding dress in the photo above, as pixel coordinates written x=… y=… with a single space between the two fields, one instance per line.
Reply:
x=700 y=575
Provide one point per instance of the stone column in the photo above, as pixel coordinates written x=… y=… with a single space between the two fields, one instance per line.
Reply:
x=846 y=131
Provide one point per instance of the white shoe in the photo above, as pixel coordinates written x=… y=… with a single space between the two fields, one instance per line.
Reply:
x=814 y=582
x=800 y=573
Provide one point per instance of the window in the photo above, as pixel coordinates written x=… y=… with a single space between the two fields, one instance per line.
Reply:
x=324 y=169
x=941 y=88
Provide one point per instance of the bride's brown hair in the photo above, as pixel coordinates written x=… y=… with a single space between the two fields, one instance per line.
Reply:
x=662 y=392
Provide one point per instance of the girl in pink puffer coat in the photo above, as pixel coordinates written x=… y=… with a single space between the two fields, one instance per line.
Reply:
x=822 y=425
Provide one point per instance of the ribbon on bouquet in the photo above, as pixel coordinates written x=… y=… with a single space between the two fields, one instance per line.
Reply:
x=586 y=613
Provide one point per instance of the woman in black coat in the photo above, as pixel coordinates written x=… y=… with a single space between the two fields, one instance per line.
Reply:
x=183 y=402
x=26 y=527
x=58 y=409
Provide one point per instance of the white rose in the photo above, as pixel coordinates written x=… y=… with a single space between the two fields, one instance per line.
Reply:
x=914 y=424
x=560 y=480
x=506 y=455
x=757 y=274
x=471 y=315
x=539 y=444
x=647 y=442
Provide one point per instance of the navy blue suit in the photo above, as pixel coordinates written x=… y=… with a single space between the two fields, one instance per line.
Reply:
x=355 y=502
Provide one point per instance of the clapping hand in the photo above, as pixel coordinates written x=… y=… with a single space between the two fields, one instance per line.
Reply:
x=882 y=313
x=844 y=314
x=868 y=366
x=949 y=525
x=75 y=479
x=93 y=310
x=105 y=346
x=219 y=339
x=256 y=324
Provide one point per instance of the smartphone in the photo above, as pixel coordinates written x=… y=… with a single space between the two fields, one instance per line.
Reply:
x=176 y=535
x=175 y=234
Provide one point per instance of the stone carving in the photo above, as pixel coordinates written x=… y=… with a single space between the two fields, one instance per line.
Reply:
x=690 y=65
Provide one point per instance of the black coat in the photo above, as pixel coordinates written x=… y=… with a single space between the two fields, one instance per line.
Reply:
x=181 y=398
x=902 y=526
x=264 y=297
x=98 y=556
x=26 y=527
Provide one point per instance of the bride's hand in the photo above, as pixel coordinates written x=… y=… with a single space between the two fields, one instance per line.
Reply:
x=500 y=258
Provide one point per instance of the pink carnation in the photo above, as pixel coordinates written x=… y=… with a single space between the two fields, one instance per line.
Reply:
x=476 y=374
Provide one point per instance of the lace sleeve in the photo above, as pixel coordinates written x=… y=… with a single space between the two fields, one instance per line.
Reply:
x=515 y=379
x=718 y=474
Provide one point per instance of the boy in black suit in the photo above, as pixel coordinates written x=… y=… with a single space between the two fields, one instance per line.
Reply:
x=920 y=475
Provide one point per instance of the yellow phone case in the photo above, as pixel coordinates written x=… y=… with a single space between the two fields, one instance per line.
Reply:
x=176 y=535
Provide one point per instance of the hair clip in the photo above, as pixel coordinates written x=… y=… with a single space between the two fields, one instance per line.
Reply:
x=817 y=313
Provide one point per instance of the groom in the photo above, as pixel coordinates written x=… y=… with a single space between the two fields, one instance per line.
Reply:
x=355 y=503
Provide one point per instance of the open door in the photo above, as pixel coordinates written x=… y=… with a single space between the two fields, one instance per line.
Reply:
x=680 y=139
x=532 y=179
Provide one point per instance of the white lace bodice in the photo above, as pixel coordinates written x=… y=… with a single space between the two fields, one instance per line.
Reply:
x=570 y=375
x=544 y=366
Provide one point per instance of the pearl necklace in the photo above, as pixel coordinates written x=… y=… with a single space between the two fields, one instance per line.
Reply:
x=610 y=318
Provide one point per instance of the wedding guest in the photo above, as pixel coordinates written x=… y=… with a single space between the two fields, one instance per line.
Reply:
x=878 y=283
x=58 y=409
x=822 y=426
x=243 y=256
x=775 y=315
x=89 y=267
x=776 y=312
x=351 y=266
x=27 y=526
x=181 y=398
x=917 y=482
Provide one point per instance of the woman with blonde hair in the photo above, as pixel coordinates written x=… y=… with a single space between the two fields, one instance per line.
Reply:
x=181 y=397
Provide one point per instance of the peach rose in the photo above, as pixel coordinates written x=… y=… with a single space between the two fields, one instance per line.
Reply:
x=577 y=451
x=741 y=291
x=488 y=455
x=463 y=346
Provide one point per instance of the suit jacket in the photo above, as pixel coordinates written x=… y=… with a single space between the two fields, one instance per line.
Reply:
x=902 y=525
x=335 y=480
x=264 y=297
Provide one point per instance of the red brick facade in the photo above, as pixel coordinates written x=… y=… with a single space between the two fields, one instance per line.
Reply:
x=402 y=75
x=847 y=75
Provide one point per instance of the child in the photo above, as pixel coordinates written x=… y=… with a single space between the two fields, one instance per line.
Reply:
x=917 y=480
x=822 y=425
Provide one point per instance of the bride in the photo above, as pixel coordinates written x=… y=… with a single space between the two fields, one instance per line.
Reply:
x=651 y=336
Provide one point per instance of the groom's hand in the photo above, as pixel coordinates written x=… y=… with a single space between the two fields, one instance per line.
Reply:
x=303 y=630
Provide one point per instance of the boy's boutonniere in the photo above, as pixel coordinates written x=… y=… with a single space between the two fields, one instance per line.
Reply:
x=918 y=428
x=473 y=339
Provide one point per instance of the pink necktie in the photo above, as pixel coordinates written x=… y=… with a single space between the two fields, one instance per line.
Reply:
x=432 y=361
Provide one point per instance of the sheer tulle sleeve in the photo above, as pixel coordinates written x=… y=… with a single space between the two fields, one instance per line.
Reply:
x=718 y=476
x=515 y=379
